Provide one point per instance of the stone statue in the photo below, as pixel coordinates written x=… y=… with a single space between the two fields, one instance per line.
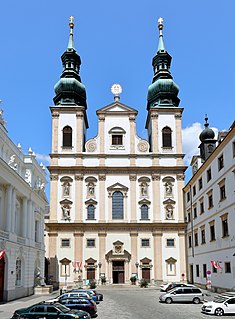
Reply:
x=66 y=189
x=168 y=186
x=144 y=189
x=91 y=189
x=169 y=212
x=37 y=277
x=12 y=163
x=66 y=212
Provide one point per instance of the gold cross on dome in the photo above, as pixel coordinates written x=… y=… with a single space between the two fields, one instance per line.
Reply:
x=71 y=19
x=160 y=20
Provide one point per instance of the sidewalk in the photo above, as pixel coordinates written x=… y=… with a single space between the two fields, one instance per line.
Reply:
x=7 y=309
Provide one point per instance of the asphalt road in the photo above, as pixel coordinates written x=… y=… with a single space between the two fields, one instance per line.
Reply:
x=144 y=303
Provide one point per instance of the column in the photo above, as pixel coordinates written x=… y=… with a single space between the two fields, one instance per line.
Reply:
x=102 y=192
x=13 y=211
x=157 y=246
x=24 y=216
x=178 y=128
x=156 y=198
x=8 y=207
x=78 y=248
x=180 y=186
x=53 y=197
x=102 y=249
x=155 y=146
x=79 y=137
x=55 y=135
x=54 y=262
x=127 y=274
x=33 y=222
x=133 y=215
x=78 y=198
x=182 y=255
x=132 y=140
x=101 y=125
x=28 y=224
x=134 y=256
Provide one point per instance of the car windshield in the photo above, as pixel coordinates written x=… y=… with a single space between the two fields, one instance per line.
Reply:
x=220 y=299
x=62 y=308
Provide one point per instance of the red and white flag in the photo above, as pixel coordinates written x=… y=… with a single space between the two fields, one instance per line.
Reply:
x=216 y=264
x=2 y=253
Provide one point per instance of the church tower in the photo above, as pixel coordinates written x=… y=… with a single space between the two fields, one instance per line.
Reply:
x=208 y=141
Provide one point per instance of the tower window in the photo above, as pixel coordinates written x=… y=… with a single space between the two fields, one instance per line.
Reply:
x=166 y=137
x=67 y=136
x=117 y=140
x=117 y=205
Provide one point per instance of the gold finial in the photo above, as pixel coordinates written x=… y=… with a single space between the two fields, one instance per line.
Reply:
x=160 y=25
x=71 y=24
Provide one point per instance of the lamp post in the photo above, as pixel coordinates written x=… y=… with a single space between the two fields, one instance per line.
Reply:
x=137 y=265
x=99 y=265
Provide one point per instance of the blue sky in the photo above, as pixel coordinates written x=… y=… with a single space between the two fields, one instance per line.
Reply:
x=116 y=42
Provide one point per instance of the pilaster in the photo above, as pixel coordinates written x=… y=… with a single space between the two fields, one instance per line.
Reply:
x=54 y=262
x=8 y=207
x=54 y=197
x=155 y=146
x=78 y=198
x=102 y=179
x=78 y=246
x=134 y=256
x=24 y=218
x=182 y=257
x=132 y=139
x=180 y=186
x=13 y=210
x=178 y=127
x=156 y=198
x=79 y=137
x=102 y=249
x=133 y=215
x=157 y=246
x=55 y=135
x=101 y=125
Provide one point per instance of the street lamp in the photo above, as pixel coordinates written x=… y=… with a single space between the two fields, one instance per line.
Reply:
x=137 y=265
x=99 y=265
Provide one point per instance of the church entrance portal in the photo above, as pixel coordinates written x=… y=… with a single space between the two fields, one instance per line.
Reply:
x=118 y=272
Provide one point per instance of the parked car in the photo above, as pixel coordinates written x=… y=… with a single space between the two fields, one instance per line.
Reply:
x=183 y=294
x=177 y=284
x=222 y=304
x=96 y=296
x=85 y=304
x=164 y=286
x=49 y=311
x=72 y=293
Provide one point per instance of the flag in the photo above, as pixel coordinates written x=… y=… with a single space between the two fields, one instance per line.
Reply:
x=2 y=253
x=216 y=264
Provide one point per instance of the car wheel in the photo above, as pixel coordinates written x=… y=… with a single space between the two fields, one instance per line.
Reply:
x=168 y=300
x=196 y=300
x=219 y=312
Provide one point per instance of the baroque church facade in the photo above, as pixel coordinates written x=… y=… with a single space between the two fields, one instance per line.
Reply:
x=116 y=207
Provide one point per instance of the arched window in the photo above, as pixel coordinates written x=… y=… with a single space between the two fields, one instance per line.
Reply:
x=117 y=205
x=67 y=136
x=18 y=280
x=166 y=137
x=144 y=212
x=91 y=212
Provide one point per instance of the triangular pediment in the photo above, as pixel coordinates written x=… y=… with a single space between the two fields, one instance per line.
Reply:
x=118 y=242
x=171 y=260
x=117 y=107
x=91 y=201
x=169 y=201
x=117 y=186
x=90 y=261
x=66 y=201
x=145 y=260
x=65 y=261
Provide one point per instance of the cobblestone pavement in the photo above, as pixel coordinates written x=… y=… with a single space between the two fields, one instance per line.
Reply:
x=124 y=303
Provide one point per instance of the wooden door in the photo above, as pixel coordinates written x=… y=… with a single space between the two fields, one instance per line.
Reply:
x=2 y=268
x=146 y=274
x=91 y=274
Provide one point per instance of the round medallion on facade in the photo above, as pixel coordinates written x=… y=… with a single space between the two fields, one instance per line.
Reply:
x=143 y=146
x=91 y=146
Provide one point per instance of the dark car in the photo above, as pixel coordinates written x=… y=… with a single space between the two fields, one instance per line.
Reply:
x=85 y=304
x=49 y=311
x=175 y=285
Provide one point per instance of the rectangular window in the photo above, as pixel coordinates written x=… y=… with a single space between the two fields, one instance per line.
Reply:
x=204 y=270
x=117 y=140
x=197 y=270
x=202 y=207
x=145 y=243
x=65 y=243
x=195 y=212
x=208 y=173
x=90 y=243
x=196 y=239
x=212 y=232
x=18 y=272
x=194 y=190
x=36 y=234
x=203 y=235
x=225 y=227
x=188 y=197
x=220 y=162
x=170 y=243
x=227 y=267
x=210 y=200
x=222 y=192
x=190 y=241
x=200 y=183
x=189 y=217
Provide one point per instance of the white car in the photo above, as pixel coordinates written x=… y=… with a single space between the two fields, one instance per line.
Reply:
x=164 y=286
x=222 y=304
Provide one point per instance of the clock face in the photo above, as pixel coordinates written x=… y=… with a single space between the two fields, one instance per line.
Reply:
x=116 y=89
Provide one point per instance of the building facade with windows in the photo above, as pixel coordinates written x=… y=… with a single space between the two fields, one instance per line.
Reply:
x=22 y=207
x=210 y=212
x=116 y=205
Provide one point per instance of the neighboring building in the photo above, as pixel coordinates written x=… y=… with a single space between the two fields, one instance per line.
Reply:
x=116 y=205
x=210 y=212
x=22 y=206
